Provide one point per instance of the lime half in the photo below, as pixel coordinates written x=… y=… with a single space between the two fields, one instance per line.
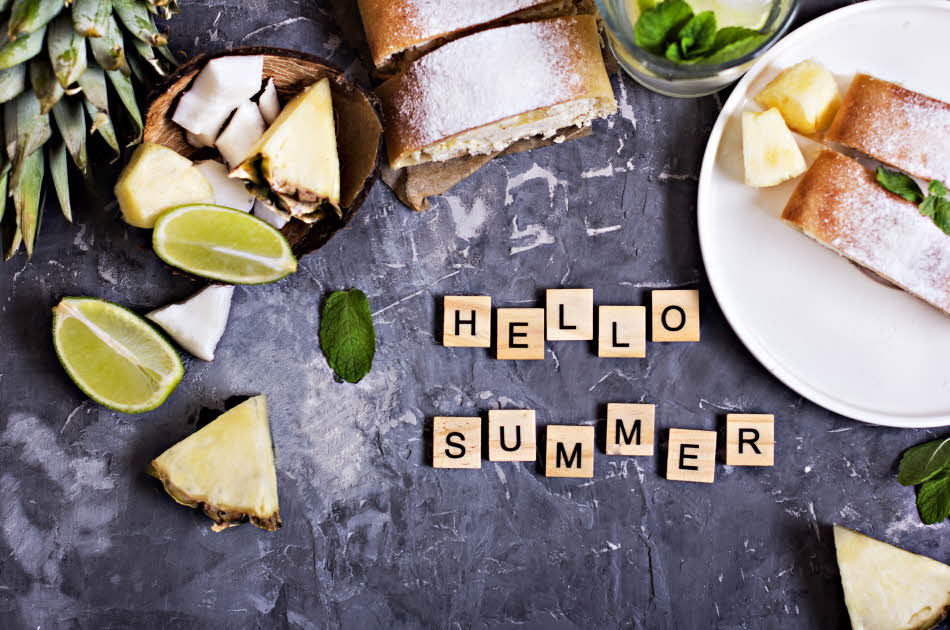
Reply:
x=113 y=355
x=222 y=244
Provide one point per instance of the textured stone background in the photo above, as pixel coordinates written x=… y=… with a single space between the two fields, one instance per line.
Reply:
x=373 y=536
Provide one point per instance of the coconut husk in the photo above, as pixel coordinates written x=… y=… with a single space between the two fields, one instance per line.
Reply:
x=358 y=127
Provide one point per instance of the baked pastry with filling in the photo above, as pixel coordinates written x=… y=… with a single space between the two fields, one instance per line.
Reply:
x=840 y=204
x=480 y=94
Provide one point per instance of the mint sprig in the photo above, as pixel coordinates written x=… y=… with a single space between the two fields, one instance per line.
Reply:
x=347 y=335
x=671 y=29
x=928 y=466
x=934 y=205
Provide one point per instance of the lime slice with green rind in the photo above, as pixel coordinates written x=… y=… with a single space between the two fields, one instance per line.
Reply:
x=222 y=244
x=113 y=355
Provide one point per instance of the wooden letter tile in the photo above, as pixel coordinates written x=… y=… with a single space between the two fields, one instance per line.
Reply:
x=466 y=322
x=520 y=333
x=456 y=442
x=630 y=429
x=750 y=439
x=511 y=435
x=570 y=314
x=622 y=331
x=692 y=456
x=569 y=451
x=676 y=315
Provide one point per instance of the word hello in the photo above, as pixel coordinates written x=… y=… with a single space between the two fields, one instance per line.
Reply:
x=568 y=315
x=569 y=450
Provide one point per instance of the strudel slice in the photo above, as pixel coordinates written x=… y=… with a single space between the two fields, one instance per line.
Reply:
x=895 y=125
x=840 y=204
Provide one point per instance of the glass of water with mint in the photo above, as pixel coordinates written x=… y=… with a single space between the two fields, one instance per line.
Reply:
x=689 y=48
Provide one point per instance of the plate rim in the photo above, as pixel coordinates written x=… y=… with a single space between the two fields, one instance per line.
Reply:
x=746 y=336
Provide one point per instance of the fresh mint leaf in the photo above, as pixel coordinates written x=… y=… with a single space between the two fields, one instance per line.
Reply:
x=937 y=188
x=347 y=335
x=933 y=499
x=924 y=461
x=734 y=50
x=674 y=54
x=942 y=215
x=730 y=35
x=899 y=184
x=698 y=35
x=657 y=26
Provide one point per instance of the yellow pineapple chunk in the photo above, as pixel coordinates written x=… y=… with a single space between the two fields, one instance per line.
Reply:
x=887 y=588
x=296 y=158
x=227 y=468
x=769 y=150
x=806 y=94
x=156 y=179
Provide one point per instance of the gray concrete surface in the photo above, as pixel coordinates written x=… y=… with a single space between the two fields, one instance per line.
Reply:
x=373 y=537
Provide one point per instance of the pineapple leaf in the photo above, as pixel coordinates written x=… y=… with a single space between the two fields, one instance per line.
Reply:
x=26 y=199
x=123 y=87
x=90 y=16
x=27 y=16
x=31 y=131
x=135 y=16
x=71 y=123
x=12 y=82
x=3 y=194
x=14 y=244
x=147 y=54
x=59 y=172
x=103 y=124
x=45 y=84
x=93 y=85
x=23 y=49
x=108 y=50
x=67 y=50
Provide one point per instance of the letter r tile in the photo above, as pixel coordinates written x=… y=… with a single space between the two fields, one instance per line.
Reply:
x=750 y=439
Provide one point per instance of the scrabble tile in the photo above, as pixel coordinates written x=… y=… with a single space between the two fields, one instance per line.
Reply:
x=569 y=451
x=630 y=429
x=692 y=456
x=511 y=435
x=466 y=322
x=750 y=439
x=456 y=442
x=675 y=315
x=520 y=333
x=570 y=314
x=622 y=331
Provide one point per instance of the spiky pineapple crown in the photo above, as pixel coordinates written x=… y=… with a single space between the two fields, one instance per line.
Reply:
x=57 y=58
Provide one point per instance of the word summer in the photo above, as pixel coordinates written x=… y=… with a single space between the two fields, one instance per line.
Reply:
x=568 y=315
x=569 y=450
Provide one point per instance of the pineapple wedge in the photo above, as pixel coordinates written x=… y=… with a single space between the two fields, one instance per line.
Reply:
x=806 y=94
x=769 y=150
x=227 y=468
x=886 y=588
x=295 y=163
x=156 y=179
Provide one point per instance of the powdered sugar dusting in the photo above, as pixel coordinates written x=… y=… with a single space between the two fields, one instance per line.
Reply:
x=878 y=230
x=428 y=19
x=897 y=126
x=488 y=76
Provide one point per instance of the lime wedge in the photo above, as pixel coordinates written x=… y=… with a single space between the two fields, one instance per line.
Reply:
x=222 y=244
x=113 y=355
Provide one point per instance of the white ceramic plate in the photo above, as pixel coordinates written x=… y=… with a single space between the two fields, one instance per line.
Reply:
x=820 y=324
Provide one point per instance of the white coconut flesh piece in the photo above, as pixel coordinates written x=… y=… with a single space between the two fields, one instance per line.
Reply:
x=198 y=323
x=200 y=116
x=241 y=134
x=231 y=79
x=200 y=140
x=221 y=86
x=269 y=103
x=230 y=193
x=266 y=212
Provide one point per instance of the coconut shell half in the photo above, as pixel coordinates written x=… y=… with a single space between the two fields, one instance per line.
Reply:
x=358 y=127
